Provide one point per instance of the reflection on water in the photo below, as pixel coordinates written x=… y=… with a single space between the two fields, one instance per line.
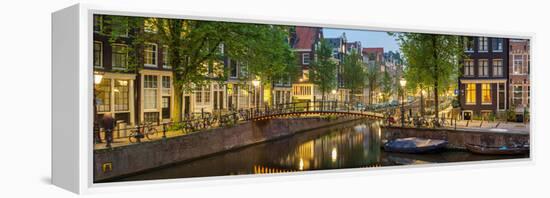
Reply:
x=351 y=145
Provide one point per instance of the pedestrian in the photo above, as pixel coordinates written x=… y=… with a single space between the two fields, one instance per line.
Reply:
x=108 y=125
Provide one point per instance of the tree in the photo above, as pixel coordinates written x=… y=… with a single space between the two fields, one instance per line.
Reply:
x=197 y=49
x=323 y=68
x=372 y=75
x=387 y=86
x=354 y=73
x=433 y=59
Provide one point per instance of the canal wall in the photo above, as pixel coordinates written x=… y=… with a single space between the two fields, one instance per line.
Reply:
x=130 y=159
x=457 y=139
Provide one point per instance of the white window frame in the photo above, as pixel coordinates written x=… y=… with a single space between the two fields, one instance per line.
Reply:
x=155 y=52
x=501 y=44
x=479 y=44
x=485 y=69
x=514 y=66
x=470 y=68
x=466 y=42
x=304 y=59
x=156 y=90
x=113 y=60
x=100 y=54
x=495 y=74
x=165 y=54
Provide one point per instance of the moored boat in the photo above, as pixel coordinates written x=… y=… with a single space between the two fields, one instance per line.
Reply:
x=414 y=145
x=502 y=150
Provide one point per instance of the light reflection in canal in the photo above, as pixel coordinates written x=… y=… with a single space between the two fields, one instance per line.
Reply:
x=351 y=145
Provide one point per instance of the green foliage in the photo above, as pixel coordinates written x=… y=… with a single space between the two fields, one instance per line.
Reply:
x=373 y=78
x=387 y=85
x=323 y=68
x=354 y=72
x=432 y=60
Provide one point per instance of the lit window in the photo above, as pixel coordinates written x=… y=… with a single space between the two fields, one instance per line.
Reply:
x=103 y=95
x=486 y=93
x=121 y=95
x=150 y=54
x=120 y=56
x=470 y=93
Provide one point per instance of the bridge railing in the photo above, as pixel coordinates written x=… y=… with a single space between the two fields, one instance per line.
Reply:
x=209 y=120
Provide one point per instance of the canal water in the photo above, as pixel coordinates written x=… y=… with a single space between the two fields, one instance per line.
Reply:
x=352 y=145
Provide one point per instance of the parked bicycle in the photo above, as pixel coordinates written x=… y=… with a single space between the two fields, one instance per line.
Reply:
x=147 y=130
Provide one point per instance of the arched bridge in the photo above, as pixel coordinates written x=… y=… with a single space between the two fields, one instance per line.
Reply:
x=298 y=109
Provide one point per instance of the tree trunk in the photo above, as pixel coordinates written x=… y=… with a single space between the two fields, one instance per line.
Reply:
x=178 y=104
x=436 y=77
x=422 y=101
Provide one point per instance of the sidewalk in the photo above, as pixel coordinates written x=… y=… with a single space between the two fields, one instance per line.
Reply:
x=495 y=126
x=123 y=141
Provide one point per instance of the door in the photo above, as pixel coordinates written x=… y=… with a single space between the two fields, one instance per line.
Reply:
x=165 y=107
x=187 y=105
x=220 y=97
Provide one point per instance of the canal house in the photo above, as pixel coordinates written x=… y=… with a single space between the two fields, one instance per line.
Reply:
x=483 y=83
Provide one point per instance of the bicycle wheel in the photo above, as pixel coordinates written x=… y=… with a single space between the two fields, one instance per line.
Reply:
x=130 y=137
x=150 y=132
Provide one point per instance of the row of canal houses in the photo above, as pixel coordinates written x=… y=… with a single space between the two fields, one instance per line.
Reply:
x=494 y=77
x=147 y=95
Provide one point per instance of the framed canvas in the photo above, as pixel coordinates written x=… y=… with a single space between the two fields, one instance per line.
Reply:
x=178 y=97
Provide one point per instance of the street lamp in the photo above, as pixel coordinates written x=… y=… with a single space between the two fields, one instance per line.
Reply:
x=403 y=82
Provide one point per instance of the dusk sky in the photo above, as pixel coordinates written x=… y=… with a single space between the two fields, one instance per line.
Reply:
x=367 y=38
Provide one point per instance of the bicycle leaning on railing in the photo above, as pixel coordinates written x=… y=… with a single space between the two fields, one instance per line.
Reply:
x=145 y=131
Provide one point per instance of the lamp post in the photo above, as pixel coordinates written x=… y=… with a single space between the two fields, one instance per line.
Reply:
x=256 y=84
x=97 y=80
x=403 y=82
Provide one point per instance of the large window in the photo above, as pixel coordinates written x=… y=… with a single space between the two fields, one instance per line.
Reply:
x=483 y=67
x=120 y=56
x=482 y=44
x=121 y=95
x=150 y=54
x=165 y=57
x=468 y=44
x=150 y=89
x=498 y=68
x=103 y=95
x=518 y=64
x=305 y=58
x=497 y=44
x=98 y=54
x=233 y=68
x=470 y=93
x=517 y=95
x=468 y=67
x=486 y=93
x=166 y=85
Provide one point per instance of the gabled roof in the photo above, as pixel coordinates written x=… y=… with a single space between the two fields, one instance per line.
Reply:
x=375 y=50
x=305 y=37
